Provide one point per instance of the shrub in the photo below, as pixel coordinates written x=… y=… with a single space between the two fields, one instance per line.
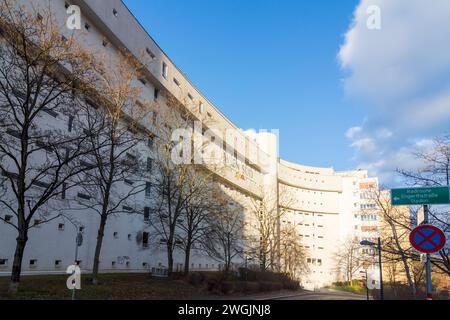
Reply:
x=291 y=285
x=195 y=279
x=226 y=287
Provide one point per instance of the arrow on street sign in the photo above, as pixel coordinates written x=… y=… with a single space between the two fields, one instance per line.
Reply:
x=420 y=196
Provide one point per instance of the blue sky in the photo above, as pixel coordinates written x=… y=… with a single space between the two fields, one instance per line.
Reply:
x=340 y=93
x=266 y=64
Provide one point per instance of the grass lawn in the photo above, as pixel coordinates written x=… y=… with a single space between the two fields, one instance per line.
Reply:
x=111 y=286
x=357 y=289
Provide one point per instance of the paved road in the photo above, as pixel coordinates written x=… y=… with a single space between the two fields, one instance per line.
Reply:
x=322 y=295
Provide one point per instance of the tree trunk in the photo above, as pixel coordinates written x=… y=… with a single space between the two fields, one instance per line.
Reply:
x=187 y=257
x=404 y=260
x=169 y=259
x=98 y=248
x=21 y=242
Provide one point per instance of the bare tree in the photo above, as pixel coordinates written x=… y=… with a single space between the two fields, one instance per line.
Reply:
x=224 y=241
x=435 y=171
x=266 y=214
x=177 y=180
x=349 y=259
x=40 y=70
x=195 y=218
x=395 y=228
x=292 y=253
x=117 y=121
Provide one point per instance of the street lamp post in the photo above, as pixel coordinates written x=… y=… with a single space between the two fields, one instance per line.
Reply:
x=78 y=243
x=246 y=266
x=378 y=246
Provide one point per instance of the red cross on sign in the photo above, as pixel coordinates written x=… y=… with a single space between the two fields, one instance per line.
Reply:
x=427 y=239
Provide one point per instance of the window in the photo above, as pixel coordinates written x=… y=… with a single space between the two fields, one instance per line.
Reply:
x=58 y=263
x=19 y=94
x=145 y=239
x=150 y=53
x=201 y=108
x=40 y=184
x=190 y=97
x=67 y=155
x=146 y=214
x=49 y=111
x=84 y=196
x=33 y=263
x=149 y=165
x=164 y=70
x=148 y=189
x=176 y=82
x=8 y=218
x=127 y=209
x=63 y=192
x=70 y=124
x=61 y=226
x=13 y=133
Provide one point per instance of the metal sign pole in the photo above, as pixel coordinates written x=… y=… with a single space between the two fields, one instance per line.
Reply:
x=76 y=258
x=381 y=270
x=428 y=263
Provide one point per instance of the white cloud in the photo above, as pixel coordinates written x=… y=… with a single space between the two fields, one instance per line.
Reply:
x=403 y=73
x=352 y=132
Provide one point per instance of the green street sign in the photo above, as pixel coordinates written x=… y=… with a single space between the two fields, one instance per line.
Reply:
x=420 y=196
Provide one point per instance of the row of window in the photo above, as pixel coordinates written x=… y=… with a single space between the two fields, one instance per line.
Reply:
x=313 y=261
x=33 y=263
x=368 y=206
x=369 y=217
x=307 y=236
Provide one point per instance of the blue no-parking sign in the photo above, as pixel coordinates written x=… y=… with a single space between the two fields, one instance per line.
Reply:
x=427 y=239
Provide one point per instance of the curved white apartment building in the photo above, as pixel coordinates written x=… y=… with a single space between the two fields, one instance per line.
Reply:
x=325 y=206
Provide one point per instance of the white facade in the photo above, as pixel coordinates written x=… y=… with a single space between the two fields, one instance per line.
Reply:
x=324 y=209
